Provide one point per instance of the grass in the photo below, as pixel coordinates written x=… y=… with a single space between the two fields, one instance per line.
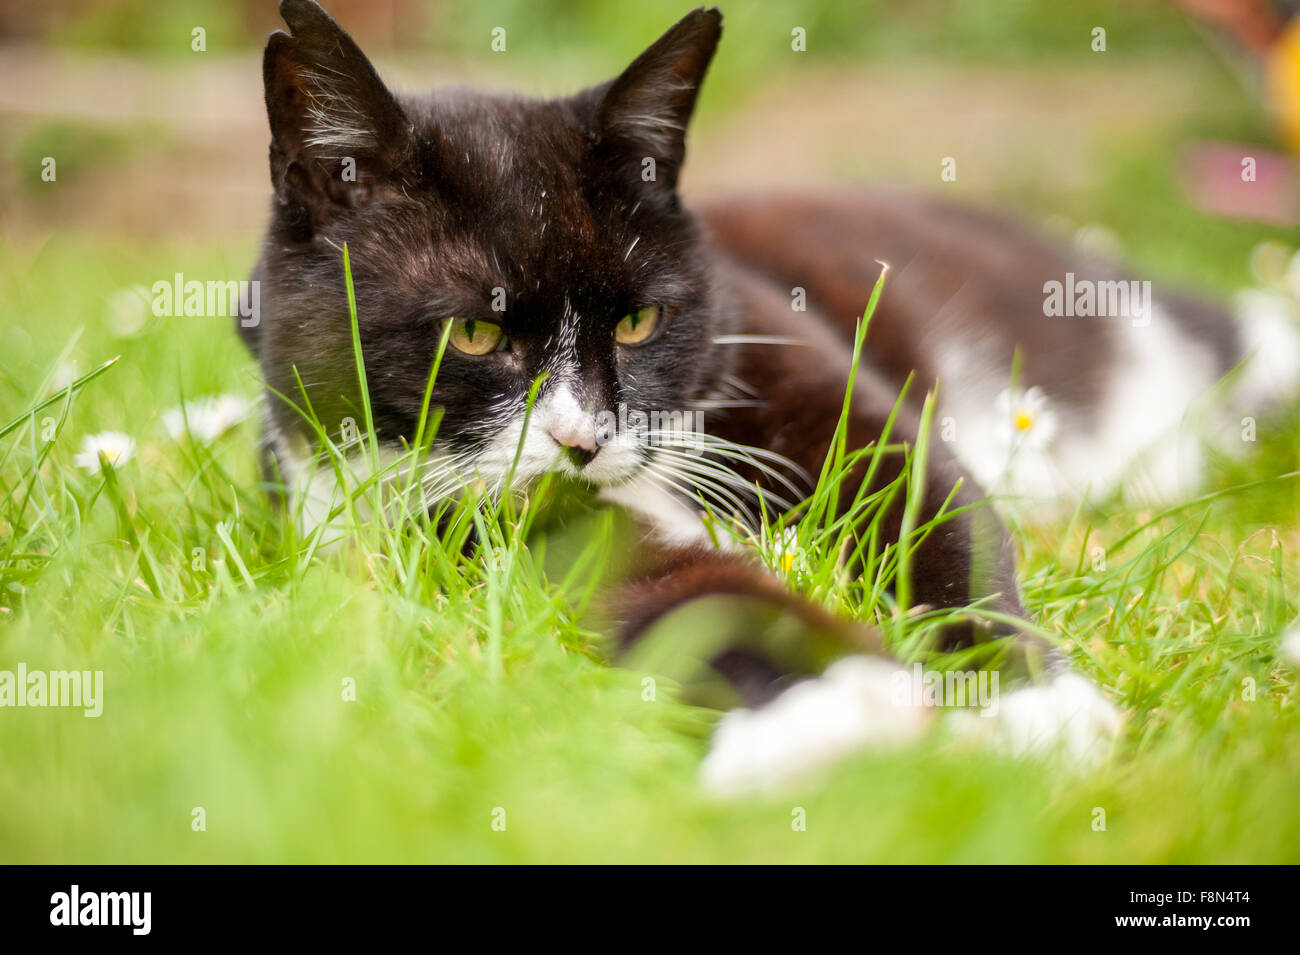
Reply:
x=393 y=699
x=232 y=649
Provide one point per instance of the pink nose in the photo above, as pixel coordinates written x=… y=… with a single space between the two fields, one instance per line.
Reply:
x=584 y=438
x=579 y=447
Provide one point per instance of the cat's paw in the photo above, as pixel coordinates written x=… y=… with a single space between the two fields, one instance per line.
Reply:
x=1067 y=714
x=811 y=725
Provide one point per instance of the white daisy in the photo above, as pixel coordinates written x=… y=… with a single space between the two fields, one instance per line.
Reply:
x=784 y=549
x=116 y=446
x=1099 y=241
x=1270 y=262
x=1291 y=645
x=1025 y=419
x=127 y=310
x=1291 y=280
x=209 y=418
x=64 y=375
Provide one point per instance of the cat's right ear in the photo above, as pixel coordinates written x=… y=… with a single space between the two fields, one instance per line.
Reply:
x=641 y=117
x=336 y=130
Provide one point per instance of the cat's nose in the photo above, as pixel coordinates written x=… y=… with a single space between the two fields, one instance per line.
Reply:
x=578 y=457
x=578 y=447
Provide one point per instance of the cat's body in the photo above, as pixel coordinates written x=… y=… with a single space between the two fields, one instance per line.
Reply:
x=535 y=222
x=966 y=292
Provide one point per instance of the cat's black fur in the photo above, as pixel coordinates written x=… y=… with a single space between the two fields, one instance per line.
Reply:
x=460 y=194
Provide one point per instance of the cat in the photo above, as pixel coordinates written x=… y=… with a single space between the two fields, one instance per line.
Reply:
x=548 y=236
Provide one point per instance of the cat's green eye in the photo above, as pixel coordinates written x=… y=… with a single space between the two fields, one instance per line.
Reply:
x=474 y=337
x=638 y=326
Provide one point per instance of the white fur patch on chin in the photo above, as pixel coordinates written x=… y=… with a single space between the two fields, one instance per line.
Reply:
x=1067 y=715
x=811 y=725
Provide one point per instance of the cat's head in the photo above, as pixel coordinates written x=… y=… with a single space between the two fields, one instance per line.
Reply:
x=548 y=233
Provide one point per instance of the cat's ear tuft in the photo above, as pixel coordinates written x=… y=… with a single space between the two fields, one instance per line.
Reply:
x=642 y=115
x=336 y=130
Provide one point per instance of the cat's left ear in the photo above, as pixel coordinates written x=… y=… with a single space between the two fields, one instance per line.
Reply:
x=642 y=115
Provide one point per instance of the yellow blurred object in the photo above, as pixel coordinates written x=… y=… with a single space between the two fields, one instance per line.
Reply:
x=1284 y=82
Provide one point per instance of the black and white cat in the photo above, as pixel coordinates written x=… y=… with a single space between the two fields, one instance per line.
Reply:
x=549 y=235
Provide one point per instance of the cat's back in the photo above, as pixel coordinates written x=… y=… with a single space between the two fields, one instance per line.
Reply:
x=959 y=277
x=990 y=309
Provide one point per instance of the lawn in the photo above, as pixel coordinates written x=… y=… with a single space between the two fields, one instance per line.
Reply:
x=367 y=702
x=391 y=698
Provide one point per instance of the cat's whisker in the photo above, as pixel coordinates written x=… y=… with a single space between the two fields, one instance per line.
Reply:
x=740 y=386
x=730 y=391
x=758 y=465
x=440 y=493
x=703 y=466
x=672 y=477
x=746 y=451
x=433 y=477
x=709 y=488
x=733 y=449
x=734 y=504
x=719 y=404
x=704 y=486
x=757 y=340
x=725 y=473
x=439 y=482
x=694 y=453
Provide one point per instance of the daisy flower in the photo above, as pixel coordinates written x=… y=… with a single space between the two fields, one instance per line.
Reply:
x=209 y=418
x=116 y=446
x=1025 y=419
x=1271 y=264
x=1291 y=645
x=64 y=375
x=1099 y=241
x=127 y=310
x=785 y=548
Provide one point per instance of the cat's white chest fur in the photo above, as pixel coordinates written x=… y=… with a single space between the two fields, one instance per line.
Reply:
x=671 y=519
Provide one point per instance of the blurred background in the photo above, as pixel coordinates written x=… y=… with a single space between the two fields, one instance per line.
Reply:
x=1139 y=141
